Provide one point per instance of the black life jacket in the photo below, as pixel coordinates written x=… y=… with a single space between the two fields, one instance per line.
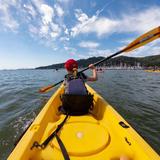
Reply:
x=76 y=100
x=76 y=104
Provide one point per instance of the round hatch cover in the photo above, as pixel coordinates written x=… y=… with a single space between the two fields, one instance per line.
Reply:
x=82 y=138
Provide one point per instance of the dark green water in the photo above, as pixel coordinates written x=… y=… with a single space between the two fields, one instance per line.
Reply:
x=134 y=94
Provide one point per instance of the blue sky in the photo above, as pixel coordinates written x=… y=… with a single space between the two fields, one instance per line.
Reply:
x=42 y=32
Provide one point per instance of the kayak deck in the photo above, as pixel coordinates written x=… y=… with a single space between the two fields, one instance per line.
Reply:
x=102 y=134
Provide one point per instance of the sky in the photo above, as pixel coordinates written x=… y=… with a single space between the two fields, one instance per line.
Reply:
x=37 y=33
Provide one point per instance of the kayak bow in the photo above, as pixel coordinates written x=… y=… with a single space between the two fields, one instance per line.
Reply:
x=101 y=135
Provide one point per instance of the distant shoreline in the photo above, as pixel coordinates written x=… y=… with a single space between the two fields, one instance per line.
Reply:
x=123 y=62
x=149 y=62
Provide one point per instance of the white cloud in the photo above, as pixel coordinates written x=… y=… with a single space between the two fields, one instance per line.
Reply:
x=59 y=10
x=7 y=19
x=33 y=29
x=96 y=53
x=44 y=27
x=80 y=15
x=30 y=9
x=135 y=22
x=54 y=34
x=66 y=31
x=83 y=56
x=64 y=39
x=64 y=1
x=37 y=4
x=126 y=41
x=88 y=44
x=70 y=50
x=99 y=52
x=84 y=24
x=55 y=30
x=141 y=21
x=100 y=26
x=47 y=13
x=152 y=48
x=44 y=30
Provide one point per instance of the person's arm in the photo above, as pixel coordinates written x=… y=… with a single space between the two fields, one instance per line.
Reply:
x=94 y=76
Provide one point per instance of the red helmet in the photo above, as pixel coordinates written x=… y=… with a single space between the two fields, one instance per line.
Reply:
x=70 y=64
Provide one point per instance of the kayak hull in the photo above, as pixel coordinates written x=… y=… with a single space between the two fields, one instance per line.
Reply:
x=155 y=71
x=101 y=134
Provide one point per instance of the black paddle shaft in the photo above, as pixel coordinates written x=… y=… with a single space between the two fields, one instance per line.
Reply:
x=97 y=63
x=117 y=53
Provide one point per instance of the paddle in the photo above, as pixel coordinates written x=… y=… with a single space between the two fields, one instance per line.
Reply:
x=140 y=41
x=48 y=88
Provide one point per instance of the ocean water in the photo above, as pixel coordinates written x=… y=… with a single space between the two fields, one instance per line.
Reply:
x=135 y=94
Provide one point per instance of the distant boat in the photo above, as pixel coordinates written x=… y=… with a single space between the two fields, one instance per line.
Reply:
x=100 y=70
x=152 y=70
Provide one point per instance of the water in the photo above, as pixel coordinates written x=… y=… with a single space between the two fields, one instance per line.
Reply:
x=134 y=94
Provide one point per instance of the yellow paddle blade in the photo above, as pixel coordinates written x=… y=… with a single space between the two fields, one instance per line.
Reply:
x=46 y=89
x=144 y=39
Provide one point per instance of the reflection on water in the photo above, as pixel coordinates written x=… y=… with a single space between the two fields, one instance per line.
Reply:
x=134 y=94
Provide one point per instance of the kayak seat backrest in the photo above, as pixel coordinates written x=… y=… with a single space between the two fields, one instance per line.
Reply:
x=76 y=104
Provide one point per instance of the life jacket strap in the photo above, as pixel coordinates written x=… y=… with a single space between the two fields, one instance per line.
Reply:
x=45 y=143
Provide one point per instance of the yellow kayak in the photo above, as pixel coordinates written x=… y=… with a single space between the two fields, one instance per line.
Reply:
x=156 y=71
x=100 y=135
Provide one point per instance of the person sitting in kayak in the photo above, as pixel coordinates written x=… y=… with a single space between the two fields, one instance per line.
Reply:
x=76 y=100
x=74 y=81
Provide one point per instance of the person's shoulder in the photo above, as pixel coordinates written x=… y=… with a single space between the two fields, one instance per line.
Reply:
x=81 y=74
x=69 y=77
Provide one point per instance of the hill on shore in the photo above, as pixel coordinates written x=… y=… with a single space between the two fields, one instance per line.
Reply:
x=149 y=61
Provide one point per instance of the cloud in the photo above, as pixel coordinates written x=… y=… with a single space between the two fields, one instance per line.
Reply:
x=43 y=24
x=30 y=10
x=96 y=53
x=45 y=27
x=64 y=39
x=6 y=18
x=49 y=22
x=37 y=4
x=64 y=1
x=47 y=14
x=88 y=44
x=141 y=21
x=138 y=22
x=33 y=29
x=152 y=48
x=44 y=30
x=81 y=17
x=84 y=21
x=59 y=10
x=100 y=26
x=100 y=52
